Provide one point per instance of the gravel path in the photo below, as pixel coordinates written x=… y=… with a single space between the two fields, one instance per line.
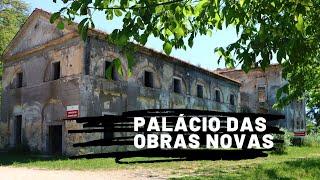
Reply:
x=13 y=173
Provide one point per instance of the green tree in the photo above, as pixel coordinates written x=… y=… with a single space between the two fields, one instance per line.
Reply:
x=12 y=15
x=288 y=30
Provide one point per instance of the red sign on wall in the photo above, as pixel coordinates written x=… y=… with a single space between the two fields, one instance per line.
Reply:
x=302 y=133
x=73 y=111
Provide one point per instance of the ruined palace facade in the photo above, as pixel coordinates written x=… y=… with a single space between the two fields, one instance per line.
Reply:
x=258 y=95
x=47 y=71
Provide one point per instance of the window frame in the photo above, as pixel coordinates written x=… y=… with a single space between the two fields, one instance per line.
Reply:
x=202 y=90
x=150 y=83
x=217 y=91
x=175 y=78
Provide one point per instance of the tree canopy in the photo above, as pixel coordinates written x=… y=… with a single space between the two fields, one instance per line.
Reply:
x=13 y=13
x=285 y=30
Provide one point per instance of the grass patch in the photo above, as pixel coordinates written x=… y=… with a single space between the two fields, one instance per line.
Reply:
x=296 y=169
x=299 y=162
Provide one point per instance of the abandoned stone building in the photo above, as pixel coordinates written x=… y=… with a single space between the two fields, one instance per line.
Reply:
x=51 y=74
x=258 y=95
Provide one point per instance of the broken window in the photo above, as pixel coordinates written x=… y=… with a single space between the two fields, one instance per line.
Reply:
x=199 y=91
x=262 y=94
x=232 y=99
x=148 y=79
x=56 y=70
x=110 y=71
x=177 y=85
x=19 y=80
x=218 y=94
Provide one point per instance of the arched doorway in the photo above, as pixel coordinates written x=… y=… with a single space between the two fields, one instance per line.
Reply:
x=53 y=126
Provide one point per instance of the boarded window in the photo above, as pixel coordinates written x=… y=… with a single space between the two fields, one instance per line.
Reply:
x=110 y=71
x=177 y=85
x=218 y=96
x=232 y=99
x=56 y=70
x=199 y=91
x=19 y=80
x=148 y=79
x=262 y=94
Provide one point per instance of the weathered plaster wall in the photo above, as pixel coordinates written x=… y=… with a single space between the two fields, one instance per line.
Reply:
x=41 y=101
x=271 y=79
x=100 y=96
x=129 y=93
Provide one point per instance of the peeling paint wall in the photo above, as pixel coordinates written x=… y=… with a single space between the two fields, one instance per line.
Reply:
x=42 y=101
x=99 y=96
x=129 y=93
x=269 y=80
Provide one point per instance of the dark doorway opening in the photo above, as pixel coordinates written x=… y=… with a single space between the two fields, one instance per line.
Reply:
x=55 y=139
x=19 y=80
x=17 y=136
x=148 y=79
x=56 y=70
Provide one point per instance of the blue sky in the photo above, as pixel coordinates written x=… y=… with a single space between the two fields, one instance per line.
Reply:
x=202 y=52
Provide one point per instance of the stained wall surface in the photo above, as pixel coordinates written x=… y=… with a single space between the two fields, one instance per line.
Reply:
x=258 y=95
x=42 y=100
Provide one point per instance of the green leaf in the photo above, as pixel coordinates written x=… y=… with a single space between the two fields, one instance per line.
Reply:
x=300 y=23
x=60 y=25
x=84 y=10
x=75 y=6
x=54 y=17
x=167 y=47
x=179 y=32
x=209 y=33
x=108 y=72
x=118 y=12
x=117 y=64
x=143 y=39
x=241 y=2
x=190 y=41
x=84 y=31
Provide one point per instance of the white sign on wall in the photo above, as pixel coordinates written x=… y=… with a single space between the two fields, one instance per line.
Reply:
x=73 y=111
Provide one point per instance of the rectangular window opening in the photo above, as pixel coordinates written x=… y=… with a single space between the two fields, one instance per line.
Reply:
x=232 y=100
x=262 y=94
x=19 y=80
x=56 y=70
x=218 y=98
x=199 y=91
x=148 y=79
x=110 y=71
x=177 y=85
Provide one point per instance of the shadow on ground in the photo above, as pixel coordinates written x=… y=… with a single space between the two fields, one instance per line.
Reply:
x=7 y=159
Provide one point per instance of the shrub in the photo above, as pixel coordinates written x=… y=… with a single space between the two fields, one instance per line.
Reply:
x=287 y=137
x=312 y=140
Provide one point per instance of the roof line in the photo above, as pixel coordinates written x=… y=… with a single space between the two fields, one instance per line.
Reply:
x=256 y=68
x=144 y=49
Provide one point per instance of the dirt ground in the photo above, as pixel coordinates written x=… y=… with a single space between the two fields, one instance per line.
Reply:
x=12 y=173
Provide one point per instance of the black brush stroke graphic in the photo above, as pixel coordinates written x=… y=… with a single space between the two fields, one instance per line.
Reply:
x=124 y=124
